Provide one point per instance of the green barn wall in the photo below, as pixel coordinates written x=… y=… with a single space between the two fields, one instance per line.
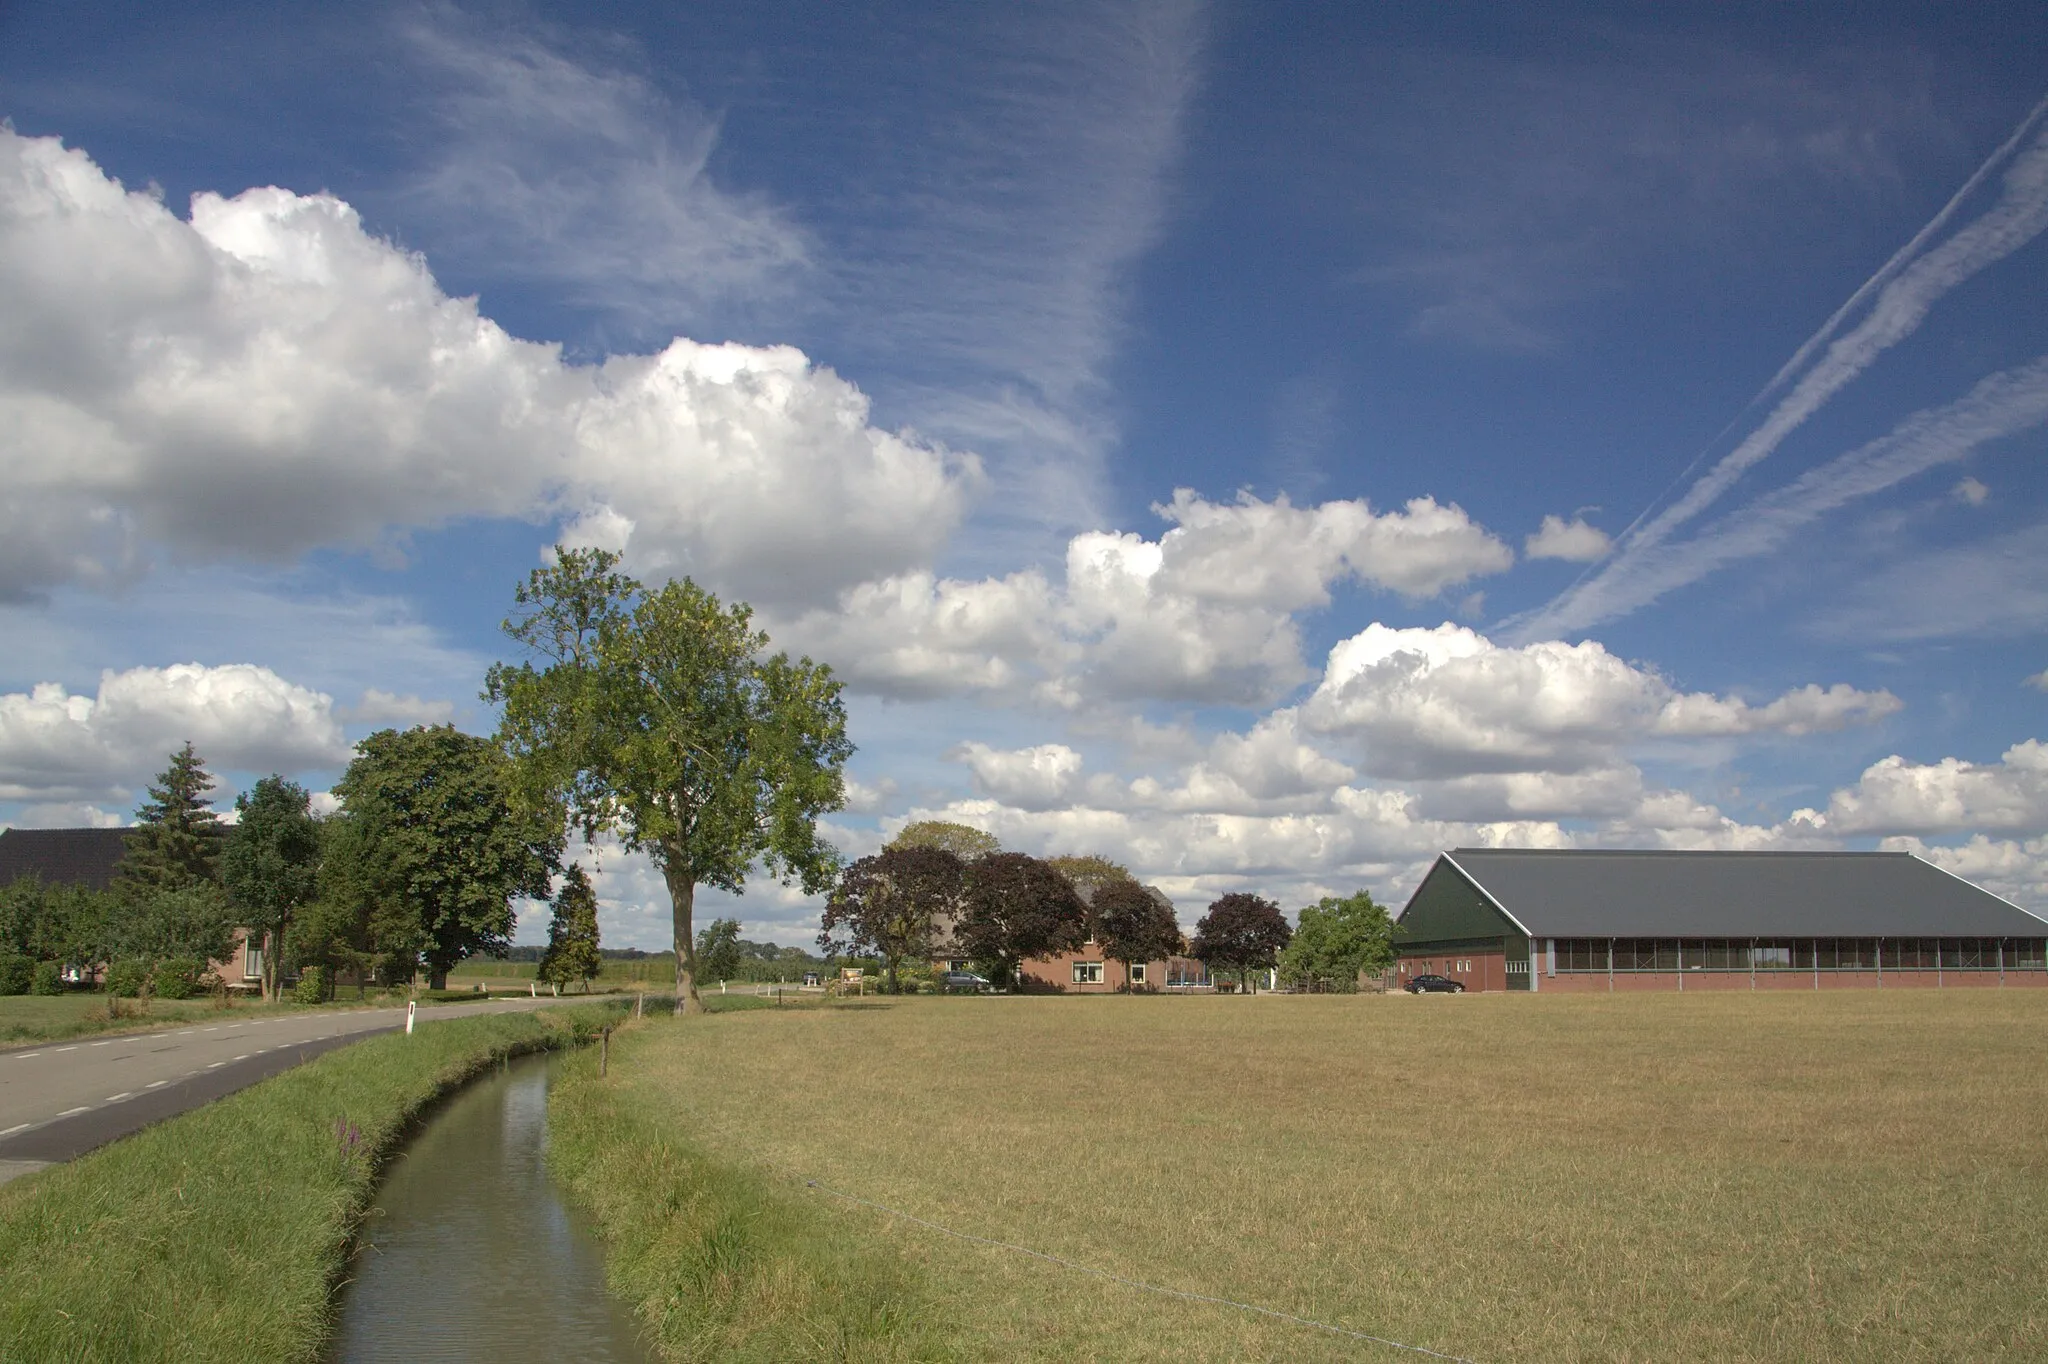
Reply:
x=1448 y=912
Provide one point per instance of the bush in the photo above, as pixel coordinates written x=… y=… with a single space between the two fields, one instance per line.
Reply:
x=127 y=977
x=312 y=986
x=176 y=978
x=48 y=979
x=17 y=973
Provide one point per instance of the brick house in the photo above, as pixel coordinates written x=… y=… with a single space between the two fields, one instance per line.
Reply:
x=92 y=858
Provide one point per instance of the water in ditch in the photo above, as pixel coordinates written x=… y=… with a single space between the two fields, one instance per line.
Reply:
x=470 y=1252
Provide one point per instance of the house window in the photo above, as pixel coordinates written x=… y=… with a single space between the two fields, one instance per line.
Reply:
x=1137 y=973
x=1087 y=973
x=252 y=959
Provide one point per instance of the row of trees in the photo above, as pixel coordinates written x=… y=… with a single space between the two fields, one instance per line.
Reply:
x=945 y=887
x=418 y=870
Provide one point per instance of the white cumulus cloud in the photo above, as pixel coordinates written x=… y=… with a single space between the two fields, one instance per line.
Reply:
x=1206 y=613
x=55 y=745
x=1899 y=796
x=1573 y=541
x=1448 y=701
x=266 y=377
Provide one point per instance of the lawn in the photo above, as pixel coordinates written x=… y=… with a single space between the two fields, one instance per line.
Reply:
x=1839 y=1176
x=32 y=1018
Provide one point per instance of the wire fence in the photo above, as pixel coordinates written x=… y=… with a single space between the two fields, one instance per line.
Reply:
x=1138 y=1284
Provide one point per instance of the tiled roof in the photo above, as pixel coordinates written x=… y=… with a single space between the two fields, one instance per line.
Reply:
x=62 y=856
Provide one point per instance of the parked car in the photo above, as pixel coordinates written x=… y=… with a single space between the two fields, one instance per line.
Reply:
x=1434 y=985
x=963 y=982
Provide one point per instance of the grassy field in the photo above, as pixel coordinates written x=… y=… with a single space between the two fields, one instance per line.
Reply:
x=1840 y=1176
x=39 y=1018
x=217 y=1235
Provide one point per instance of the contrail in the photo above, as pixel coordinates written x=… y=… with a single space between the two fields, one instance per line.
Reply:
x=2002 y=405
x=1906 y=288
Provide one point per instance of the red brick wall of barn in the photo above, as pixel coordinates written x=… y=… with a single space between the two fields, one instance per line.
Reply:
x=1476 y=971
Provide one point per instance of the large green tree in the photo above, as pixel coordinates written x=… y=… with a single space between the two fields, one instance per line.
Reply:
x=718 y=949
x=271 y=865
x=964 y=841
x=892 y=905
x=657 y=715
x=68 y=924
x=572 y=952
x=1017 y=908
x=1336 y=941
x=438 y=847
x=1242 y=933
x=1134 y=923
x=192 y=921
x=177 y=838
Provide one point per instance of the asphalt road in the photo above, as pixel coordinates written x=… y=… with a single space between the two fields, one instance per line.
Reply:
x=61 y=1099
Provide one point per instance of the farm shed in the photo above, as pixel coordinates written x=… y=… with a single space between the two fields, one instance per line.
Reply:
x=1544 y=919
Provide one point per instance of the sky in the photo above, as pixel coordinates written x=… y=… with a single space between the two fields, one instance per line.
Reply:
x=1264 y=445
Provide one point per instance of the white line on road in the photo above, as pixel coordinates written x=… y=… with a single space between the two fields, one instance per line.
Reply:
x=243 y=1057
x=156 y=1084
x=216 y=1065
x=18 y=1127
x=108 y=1043
x=69 y=1111
x=116 y=1098
x=27 y=1055
x=67 y=1049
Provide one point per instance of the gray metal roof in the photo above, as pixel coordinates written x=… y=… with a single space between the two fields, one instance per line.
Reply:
x=1594 y=894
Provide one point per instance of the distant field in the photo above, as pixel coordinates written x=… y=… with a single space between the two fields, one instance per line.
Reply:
x=652 y=971
x=1842 y=1176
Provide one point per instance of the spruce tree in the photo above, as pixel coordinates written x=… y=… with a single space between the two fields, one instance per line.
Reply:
x=177 y=838
x=572 y=934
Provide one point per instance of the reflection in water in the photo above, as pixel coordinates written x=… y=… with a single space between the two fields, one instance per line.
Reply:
x=470 y=1253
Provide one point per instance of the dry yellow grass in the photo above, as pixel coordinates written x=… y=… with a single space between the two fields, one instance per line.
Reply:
x=1841 y=1176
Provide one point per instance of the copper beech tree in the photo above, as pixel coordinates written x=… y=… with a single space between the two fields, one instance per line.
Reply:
x=657 y=715
x=1134 y=923
x=1241 y=933
x=890 y=906
x=1016 y=908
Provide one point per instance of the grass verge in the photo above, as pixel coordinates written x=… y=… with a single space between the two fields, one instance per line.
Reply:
x=1846 y=1176
x=49 y=1018
x=219 y=1234
x=720 y=1260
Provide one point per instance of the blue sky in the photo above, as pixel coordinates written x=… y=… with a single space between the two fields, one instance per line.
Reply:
x=1262 y=445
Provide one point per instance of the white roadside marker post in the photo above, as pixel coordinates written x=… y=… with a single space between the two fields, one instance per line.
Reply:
x=410 y=1005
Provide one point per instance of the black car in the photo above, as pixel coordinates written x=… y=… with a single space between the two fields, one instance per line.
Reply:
x=1434 y=985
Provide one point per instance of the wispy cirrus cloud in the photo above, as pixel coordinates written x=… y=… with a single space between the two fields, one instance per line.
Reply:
x=580 y=172
x=966 y=241
x=1638 y=572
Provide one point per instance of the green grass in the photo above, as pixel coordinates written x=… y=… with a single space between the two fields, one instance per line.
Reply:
x=218 y=1235
x=720 y=1260
x=42 y=1018
x=39 y=1018
x=1715 y=1177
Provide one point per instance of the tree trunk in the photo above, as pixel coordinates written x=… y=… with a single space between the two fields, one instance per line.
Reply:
x=269 y=971
x=682 y=894
x=437 y=976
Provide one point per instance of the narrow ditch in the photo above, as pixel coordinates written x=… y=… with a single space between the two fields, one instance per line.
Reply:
x=470 y=1252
